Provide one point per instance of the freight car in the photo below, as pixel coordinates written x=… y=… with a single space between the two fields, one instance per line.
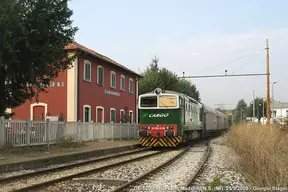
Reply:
x=168 y=118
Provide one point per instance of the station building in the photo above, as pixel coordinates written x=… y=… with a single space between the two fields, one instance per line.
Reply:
x=95 y=89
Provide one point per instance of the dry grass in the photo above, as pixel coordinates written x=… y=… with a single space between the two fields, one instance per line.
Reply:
x=263 y=153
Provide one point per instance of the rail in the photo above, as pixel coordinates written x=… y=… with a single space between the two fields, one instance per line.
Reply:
x=200 y=167
x=87 y=172
x=141 y=177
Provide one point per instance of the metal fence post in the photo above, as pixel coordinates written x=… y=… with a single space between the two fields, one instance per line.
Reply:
x=64 y=127
x=128 y=127
x=48 y=132
x=28 y=131
x=112 y=132
x=2 y=131
x=103 y=130
x=93 y=139
x=121 y=126
x=78 y=132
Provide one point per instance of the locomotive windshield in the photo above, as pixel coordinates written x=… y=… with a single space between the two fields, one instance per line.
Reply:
x=150 y=101
x=166 y=101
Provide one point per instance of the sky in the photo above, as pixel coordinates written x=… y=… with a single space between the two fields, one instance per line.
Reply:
x=196 y=37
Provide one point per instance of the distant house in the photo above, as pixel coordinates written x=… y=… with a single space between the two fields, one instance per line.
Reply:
x=95 y=89
x=280 y=110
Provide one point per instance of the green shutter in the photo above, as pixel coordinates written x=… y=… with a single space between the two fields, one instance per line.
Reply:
x=113 y=80
x=87 y=71
x=131 y=86
x=113 y=116
x=86 y=114
x=100 y=78
x=123 y=83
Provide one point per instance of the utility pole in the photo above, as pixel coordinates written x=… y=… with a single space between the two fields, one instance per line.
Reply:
x=268 y=109
x=253 y=105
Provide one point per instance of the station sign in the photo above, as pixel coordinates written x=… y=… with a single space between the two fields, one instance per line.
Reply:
x=111 y=92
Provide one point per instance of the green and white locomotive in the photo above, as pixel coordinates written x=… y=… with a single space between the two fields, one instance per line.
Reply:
x=168 y=118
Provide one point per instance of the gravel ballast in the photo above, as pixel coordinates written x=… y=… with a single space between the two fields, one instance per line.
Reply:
x=51 y=176
x=221 y=164
x=176 y=175
x=14 y=173
x=124 y=172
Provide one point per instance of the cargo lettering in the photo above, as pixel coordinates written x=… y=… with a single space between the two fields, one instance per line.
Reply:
x=159 y=115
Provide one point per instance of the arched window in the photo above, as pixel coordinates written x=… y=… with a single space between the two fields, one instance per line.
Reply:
x=113 y=79
x=100 y=75
x=87 y=71
x=86 y=113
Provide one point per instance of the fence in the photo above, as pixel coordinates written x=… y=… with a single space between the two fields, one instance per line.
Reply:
x=25 y=133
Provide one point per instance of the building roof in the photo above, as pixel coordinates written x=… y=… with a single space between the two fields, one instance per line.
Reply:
x=77 y=46
x=280 y=105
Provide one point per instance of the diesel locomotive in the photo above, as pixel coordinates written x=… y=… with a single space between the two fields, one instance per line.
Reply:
x=168 y=118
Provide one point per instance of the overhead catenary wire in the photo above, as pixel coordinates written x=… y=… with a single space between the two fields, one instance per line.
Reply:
x=225 y=63
x=247 y=62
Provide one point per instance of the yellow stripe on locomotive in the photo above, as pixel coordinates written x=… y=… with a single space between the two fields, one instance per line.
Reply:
x=148 y=141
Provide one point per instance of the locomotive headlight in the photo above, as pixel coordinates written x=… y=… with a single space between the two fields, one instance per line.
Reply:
x=167 y=127
x=148 y=127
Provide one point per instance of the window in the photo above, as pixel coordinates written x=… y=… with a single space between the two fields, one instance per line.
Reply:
x=113 y=79
x=130 y=116
x=86 y=113
x=112 y=115
x=131 y=85
x=122 y=83
x=100 y=114
x=100 y=75
x=87 y=71
x=149 y=101
x=167 y=101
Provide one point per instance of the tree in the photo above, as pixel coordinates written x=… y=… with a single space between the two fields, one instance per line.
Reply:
x=241 y=107
x=167 y=80
x=33 y=35
x=258 y=108
x=125 y=117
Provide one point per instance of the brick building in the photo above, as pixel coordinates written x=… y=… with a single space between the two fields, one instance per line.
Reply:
x=95 y=89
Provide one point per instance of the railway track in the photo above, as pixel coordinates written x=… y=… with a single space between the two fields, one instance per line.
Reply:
x=158 y=172
x=189 y=184
x=34 y=180
x=156 y=179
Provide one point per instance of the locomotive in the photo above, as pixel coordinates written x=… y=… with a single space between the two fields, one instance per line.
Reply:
x=168 y=118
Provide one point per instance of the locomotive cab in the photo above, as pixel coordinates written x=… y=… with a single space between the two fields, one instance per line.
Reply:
x=159 y=118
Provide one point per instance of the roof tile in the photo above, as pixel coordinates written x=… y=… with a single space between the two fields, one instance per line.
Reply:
x=76 y=45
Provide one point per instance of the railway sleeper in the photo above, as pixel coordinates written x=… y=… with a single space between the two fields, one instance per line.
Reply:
x=97 y=181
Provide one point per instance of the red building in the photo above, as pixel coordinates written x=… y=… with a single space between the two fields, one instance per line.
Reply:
x=95 y=89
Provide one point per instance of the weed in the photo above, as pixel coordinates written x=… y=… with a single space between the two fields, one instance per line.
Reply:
x=215 y=185
x=263 y=153
x=69 y=142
